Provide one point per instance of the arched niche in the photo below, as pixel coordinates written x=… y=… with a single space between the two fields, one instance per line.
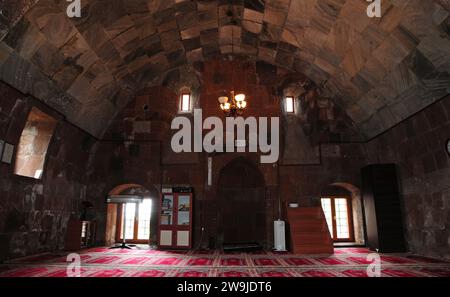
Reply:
x=241 y=211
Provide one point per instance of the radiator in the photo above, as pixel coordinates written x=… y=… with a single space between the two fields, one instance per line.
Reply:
x=280 y=236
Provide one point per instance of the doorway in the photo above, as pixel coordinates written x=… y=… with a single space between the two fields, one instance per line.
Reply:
x=141 y=221
x=241 y=213
x=338 y=214
x=137 y=218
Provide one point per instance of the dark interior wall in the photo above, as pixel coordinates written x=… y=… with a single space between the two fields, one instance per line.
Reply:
x=242 y=202
x=115 y=163
x=339 y=163
x=418 y=147
x=34 y=213
x=136 y=148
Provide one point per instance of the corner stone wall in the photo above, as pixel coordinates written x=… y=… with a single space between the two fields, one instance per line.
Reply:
x=418 y=147
x=34 y=213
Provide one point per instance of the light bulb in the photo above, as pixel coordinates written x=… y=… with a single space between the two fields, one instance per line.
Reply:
x=223 y=100
x=240 y=97
x=225 y=106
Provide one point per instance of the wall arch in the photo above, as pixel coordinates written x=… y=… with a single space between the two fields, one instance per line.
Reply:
x=241 y=211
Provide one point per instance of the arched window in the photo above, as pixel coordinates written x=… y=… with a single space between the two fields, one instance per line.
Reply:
x=33 y=144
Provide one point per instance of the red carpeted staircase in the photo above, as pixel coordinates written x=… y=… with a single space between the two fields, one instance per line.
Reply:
x=309 y=231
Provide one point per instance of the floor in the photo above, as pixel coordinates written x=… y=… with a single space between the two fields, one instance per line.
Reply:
x=104 y=262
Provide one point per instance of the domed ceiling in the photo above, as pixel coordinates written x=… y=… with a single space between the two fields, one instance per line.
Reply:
x=380 y=70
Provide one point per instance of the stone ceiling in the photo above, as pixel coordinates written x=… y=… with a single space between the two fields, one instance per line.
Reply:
x=379 y=70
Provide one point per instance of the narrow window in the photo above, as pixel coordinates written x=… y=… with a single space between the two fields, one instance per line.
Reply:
x=33 y=144
x=290 y=104
x=185 y=102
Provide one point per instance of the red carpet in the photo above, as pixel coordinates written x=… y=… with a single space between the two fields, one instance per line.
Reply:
x=104 y=262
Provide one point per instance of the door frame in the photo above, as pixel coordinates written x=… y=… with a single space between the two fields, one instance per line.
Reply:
x=349 y=218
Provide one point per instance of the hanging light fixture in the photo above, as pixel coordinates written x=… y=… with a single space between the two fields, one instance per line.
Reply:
x=234 y=104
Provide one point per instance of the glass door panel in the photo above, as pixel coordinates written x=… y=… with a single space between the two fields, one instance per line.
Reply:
x=342 y=222
x=128 y=218
x=184 y=210
x=145 y=211
x=167 y=210
x=175 y=220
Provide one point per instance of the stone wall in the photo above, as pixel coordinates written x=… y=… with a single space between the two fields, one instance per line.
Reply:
x=381 y=70
x=34 y=213
x=417 y=146
x=136 y=148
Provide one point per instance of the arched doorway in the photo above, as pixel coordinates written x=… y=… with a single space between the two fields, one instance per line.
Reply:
x=241 y=215
x=140 y=220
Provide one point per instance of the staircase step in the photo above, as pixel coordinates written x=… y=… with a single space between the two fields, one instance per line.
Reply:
x=306 y=221
x=309 y=231
x=305 y=210
x=311 y=238
x=304 y=217
x=313 y=249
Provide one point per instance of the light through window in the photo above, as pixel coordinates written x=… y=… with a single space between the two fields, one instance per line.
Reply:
x=136 y=218
x=129 y=217
x=33 y=144
x=290 y=104
x=338 y=215
x=145 y=210
x=342 y=227
x=185 y=102
x=326 y=206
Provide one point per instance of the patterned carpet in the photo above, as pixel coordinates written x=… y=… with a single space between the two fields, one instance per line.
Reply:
x=103 y=262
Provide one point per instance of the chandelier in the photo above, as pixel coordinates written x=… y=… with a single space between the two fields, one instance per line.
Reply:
x=233 y=105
